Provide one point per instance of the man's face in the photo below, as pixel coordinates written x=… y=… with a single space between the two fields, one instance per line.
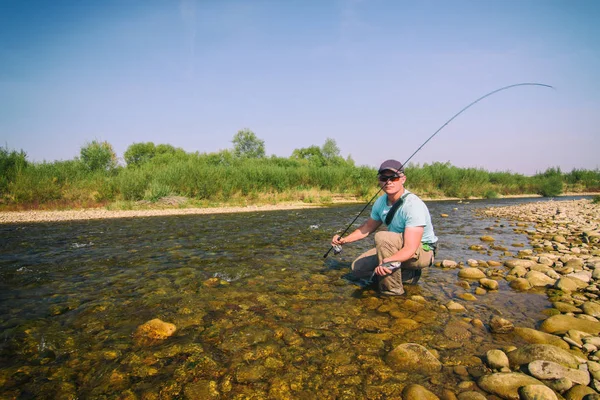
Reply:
x=391 y=181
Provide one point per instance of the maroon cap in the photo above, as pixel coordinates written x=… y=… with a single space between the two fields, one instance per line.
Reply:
x=392 y=165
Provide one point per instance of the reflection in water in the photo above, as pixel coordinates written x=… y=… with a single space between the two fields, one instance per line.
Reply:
x=278 y=321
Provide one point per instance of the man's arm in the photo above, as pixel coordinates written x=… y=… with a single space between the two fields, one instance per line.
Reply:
x=361 y=232
x=412 y=241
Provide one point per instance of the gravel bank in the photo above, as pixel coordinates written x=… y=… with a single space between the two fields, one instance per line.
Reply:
x=16 y=217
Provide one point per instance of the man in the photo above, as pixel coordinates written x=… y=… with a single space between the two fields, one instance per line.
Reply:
x=409 y=241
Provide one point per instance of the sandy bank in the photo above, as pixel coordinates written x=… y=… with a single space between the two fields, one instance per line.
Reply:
x=16 y=217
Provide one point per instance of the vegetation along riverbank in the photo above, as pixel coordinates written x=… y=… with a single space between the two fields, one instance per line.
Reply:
x=242 y=176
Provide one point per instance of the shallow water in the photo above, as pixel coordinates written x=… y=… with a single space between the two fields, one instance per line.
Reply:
x=279 y=322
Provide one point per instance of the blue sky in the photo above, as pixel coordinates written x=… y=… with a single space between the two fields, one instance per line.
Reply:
x=378 y=76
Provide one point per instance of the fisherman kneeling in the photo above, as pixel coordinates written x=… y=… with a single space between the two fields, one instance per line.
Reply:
x=409 y=241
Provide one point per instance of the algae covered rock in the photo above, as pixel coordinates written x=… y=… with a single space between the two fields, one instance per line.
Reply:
x=506 y=385
x=412 y=357
x=563 y=323
x=546 y=352
x=155 y=329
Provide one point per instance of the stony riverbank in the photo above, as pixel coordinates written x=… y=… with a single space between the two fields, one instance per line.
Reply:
x=562 y=359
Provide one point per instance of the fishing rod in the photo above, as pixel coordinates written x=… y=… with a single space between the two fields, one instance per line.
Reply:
x=337 y=249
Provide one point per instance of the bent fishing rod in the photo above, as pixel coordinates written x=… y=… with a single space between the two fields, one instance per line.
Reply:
x=428 y=139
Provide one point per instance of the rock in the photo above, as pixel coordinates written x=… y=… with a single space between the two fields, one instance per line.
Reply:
x=584 y=276
x=518 y=271
x=454 y=306
x=489 y=284
x=471 y=273
x=412 y=357
x=471 y=395
x=520 y=284
x=417 y=392
x=506 y=385
x=497 y=359
x=536 y=392
x=562 y=323
x=155 y=329
x=467 y=296
x=546 y=352
x=578 y=392
x=537 y=337
x=449 y=264
x=569 y=284
x=566 y=307
x=559 y=239
x=537 y=279
x=551 y=370
x=591 y=308
x=500 y=325
x=457 y=331
x=487 y=239
x=519 y=263
x=202 y=389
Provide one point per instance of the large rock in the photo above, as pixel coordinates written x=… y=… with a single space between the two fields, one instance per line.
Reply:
x=412 y=357
x=569 y=284
x=537 y=392
x=578 y=392
x=534 y=336
x=506 y=385
x=537 y=278
x=520 y=284
x=546 y=352
x=562 y=323
x=501 y=325
x=591 y=308
x=551 y=370
x=519 y=263
x=471 y=273
x=489 y=284
x=417 y=392
x=155 y=329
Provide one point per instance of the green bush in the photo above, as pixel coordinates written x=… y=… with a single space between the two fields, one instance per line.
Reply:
x=11 y=165
x=550 y=187
x=156 y=191
x=596 y=199
x=98 y=156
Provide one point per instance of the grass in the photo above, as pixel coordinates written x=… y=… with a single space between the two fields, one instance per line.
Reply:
x=220 y=179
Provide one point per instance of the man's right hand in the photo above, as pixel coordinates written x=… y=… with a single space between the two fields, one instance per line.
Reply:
x=337 y=241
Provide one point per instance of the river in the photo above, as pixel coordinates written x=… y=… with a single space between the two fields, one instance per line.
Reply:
x=259 y=312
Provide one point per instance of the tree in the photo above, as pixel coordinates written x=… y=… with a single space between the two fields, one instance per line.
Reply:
x=247 y=145
x=330 y=150
x=139 y=153
x=313 y=154
x=98 y=156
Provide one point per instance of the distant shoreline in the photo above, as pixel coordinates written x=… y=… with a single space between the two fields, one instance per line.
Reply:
x=31 y=216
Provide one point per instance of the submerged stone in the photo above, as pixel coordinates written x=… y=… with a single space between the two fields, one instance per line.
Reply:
x=412 y=357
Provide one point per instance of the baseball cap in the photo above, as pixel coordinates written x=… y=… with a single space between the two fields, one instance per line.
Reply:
x=392 y=165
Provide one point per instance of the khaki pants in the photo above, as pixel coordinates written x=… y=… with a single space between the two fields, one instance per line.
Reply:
x=386 y=244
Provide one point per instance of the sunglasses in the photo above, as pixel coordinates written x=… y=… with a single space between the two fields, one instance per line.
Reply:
x=385 y=178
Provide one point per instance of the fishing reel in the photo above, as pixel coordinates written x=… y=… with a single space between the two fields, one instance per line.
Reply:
x=337 y=249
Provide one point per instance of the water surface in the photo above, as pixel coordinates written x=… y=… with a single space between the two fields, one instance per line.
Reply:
x=280 y=321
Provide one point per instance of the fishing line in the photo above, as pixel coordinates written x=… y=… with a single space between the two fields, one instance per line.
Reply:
x=338 y=249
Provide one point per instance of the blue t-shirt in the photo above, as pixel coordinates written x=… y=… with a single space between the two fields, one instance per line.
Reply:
x=412 y=212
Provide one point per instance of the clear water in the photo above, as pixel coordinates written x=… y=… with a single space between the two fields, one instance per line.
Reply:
x=279 y=320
